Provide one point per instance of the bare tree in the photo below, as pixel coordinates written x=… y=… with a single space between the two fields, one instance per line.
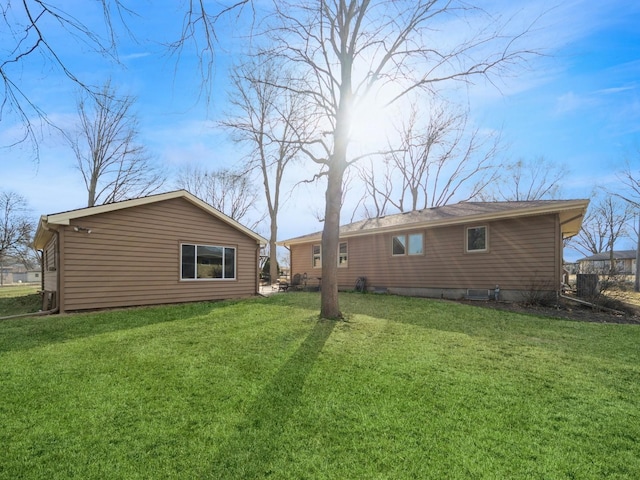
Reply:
x=631 y=180
x=224 y=189
x=113 y=165
x=16 y=228
x=525 y=180
x=274 y=123
x=436 y=161
x=349 y=51
x=604 y=224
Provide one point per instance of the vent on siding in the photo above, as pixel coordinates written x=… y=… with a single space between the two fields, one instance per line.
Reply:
x=478 y=294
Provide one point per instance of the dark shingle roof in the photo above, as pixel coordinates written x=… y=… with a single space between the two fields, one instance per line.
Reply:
x=617 y=255
x=457 y=213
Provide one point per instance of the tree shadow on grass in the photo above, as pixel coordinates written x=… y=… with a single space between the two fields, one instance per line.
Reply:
x=248 y=452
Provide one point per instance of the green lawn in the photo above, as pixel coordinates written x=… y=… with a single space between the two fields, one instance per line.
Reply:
x=19 y=299
x=406 y=388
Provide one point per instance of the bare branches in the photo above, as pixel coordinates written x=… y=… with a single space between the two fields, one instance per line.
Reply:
x=37 y=32
x=226 y=190
x=113 y=166
x=604 y=224
x=523 y=180
x=631 y=180
x=199 y=32
x=437 y=159
x=31 y=27
x=275 y=123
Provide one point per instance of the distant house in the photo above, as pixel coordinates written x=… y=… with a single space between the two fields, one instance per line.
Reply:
x=165 y=248
x=27 y=276
x=624 y=263
x=469 y=249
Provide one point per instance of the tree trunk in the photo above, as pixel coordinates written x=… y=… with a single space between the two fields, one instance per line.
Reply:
x=273 y=257
x=612 y=267
x=91 y=197
x=637 y=282
x=330 y=307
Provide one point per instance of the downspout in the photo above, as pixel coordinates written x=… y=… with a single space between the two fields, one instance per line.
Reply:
x=636 y=285
x=42 y=271
x=36 y=314
x=592 y=305
x=256 y=285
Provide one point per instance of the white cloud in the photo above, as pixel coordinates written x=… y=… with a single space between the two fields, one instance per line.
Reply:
x=571 y=102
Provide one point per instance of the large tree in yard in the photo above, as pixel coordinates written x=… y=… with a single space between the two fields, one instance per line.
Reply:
x=274 y=124
x=352 y=54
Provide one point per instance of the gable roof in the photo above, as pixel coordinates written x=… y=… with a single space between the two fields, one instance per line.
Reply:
x=571 y=213
x=617 y=255
x=43 y=233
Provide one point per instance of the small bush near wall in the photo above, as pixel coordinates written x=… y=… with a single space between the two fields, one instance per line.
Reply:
x=540 y=293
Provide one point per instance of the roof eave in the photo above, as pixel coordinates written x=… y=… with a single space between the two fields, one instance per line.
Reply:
x=65 y=218
x=43 y=234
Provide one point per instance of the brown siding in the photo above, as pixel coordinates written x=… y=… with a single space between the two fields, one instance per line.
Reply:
x=522 y=253
x=132 y=257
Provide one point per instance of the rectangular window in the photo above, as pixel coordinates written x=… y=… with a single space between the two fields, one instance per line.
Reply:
x=476 y=239
x=415 y=244
x=207 y=262
x=399 y=245
x=412 y=244
x=342 y=254
x=316 y=255
x=316 y=259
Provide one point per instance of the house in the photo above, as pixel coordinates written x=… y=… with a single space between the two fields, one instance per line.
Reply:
x=624 y=263
x=469 y=249
x=27 y=276
x=164 y=248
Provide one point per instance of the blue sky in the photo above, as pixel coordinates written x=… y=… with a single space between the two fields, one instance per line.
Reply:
x=579 y=105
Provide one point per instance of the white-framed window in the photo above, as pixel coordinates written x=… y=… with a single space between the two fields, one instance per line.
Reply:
x=411 y=244
x=399 y=245
x=342 y=254
x=316 y=256
x=207 y=262
x=476 y=239
x=416 y=244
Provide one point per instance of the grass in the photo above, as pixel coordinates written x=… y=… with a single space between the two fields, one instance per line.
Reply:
x=405 y=388
x=19 y=299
